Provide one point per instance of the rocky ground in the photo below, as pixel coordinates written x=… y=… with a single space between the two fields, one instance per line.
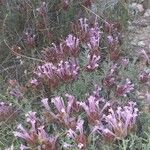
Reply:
x=139 y=41
x=139 y=33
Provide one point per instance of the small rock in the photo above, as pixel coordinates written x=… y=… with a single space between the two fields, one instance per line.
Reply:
x=136 y=6
x=141 y=43
x=147 y=13
x=140 y=7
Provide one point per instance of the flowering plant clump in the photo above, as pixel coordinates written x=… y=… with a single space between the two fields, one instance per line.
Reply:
x=119 y=122
x=56 y=69
x=61 y=50
x=53 y=75
x=110 y=78
x=123 y=90
x=93 y=110
x=78 y=135
x=36 y=137
x=63 y=113
x=114 y=38
x=112 y=124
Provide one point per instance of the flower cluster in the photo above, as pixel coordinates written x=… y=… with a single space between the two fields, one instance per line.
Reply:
x=63 y=113
x=93 y=62
x=110 y=78
x=90 y=35
x=78 y=135
x=7 y=112
x=87 y=33
x=59 y=52
x=36 y=137
x=53 y=75
x=111 y=121
x=29 y=39
x=94 y=36
x=119 y=122
x=144 y=76
x=58 y=68
x=123 y=90
x=114 y=38
x=94 y=109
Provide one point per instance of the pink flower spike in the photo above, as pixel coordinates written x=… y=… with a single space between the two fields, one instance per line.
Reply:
x=119 y=122
x=31 y=118
x=45 y=103
x=79 y=126
x=83 y=24
x=22 y=147
x=59 y=104
x=22 y=133
x=124 y=89
x=73 y=44
x=93 y=62
x=34 y=82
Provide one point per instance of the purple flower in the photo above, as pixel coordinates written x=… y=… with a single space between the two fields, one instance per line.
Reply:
x=7 y=112
x=144 y=55
x=110 y=79
x=16 y=93
x=144 y=76
x=123 y=90
x=65 y=4
x=59 y=104
x=118 y=123
x=54 y=54
x=42 y=10
x=30 y=39
x=78 y=135
x=45 y=103
x=36 y=135
x=63 y=112
x=96 y=93
x=87 y=3
x=22 y=147
x=125 y=62
x=23 y=134
x=83 y=24
x=67 y=70
x=94 y=35
x=43 y=137
x=93 y=110
x=81 y=29
x=34 y=82
x=108 y=26
x=31 y=119
x=73 y=44
x=54 y=75
x=92 y=62
x=110 y=39
x=73 y=104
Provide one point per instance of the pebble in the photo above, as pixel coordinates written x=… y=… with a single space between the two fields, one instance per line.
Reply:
x=141 y=44
x=147 y=13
